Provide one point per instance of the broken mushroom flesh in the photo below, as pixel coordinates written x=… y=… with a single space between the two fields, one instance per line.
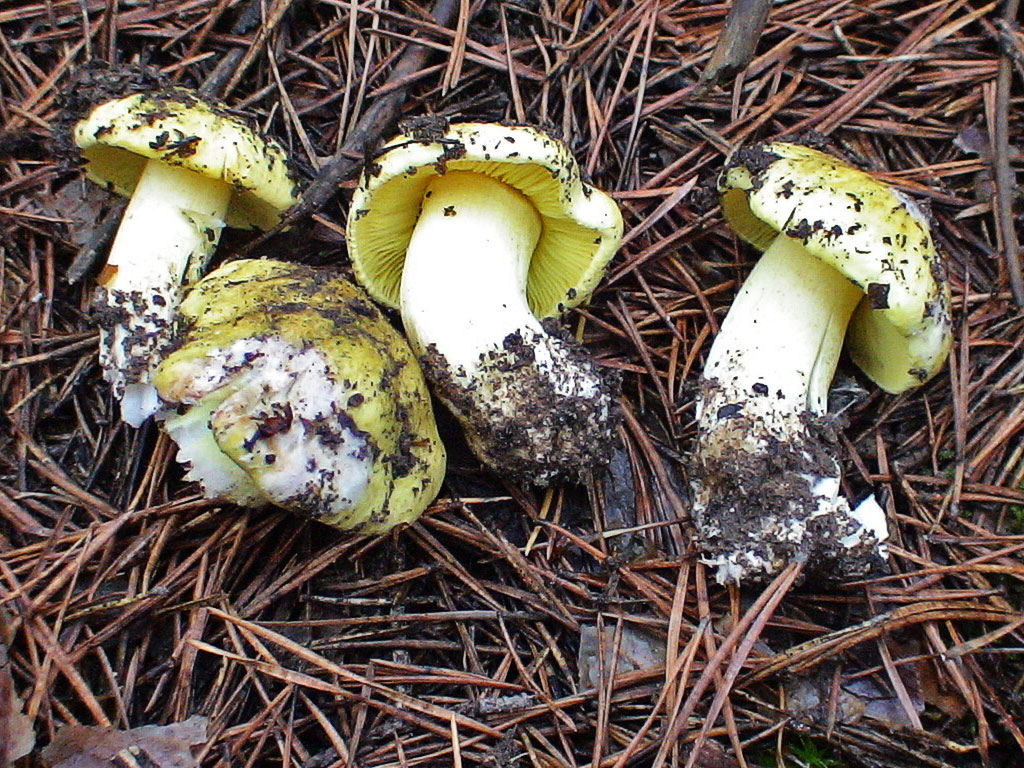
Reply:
x=189 y=169
x=766 y=475
x=291 y=388
x=477 y=235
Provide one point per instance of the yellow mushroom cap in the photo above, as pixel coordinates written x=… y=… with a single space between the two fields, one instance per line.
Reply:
x=290 y=387
x=900 y=333
x=581 y=226
x=117 y=138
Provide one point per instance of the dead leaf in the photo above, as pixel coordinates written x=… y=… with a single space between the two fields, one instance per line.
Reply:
x=711 y=755
x=938 y=693
x=859 y=698
x=81 y=204
x=974 y=141
x=637 y=650
x=158 y=746
x=16 y=735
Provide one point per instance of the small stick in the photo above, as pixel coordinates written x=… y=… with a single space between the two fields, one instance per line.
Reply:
x=371 y=125
x=1001 y=170
x=736 y=45
x=219 y=76
x=97 y=243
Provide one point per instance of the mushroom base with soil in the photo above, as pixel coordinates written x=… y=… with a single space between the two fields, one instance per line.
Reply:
x=532 y=404
x=765 y=475
x=169 y=231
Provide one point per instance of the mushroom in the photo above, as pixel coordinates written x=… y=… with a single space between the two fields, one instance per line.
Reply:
x=479 y=233
x=291 y=388
x=844 y=255
x=190 y=169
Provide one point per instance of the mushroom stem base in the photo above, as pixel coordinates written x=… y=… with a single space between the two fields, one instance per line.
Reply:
x=765 y=475
x=759 y=502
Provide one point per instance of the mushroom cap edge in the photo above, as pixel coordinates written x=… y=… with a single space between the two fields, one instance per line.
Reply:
x=175 y=126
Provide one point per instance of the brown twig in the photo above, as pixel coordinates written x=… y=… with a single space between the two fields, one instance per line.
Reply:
x=1001 y=170
x=738 y=41
x=377 y=118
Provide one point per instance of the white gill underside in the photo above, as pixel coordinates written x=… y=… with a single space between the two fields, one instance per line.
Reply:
x=169 y=231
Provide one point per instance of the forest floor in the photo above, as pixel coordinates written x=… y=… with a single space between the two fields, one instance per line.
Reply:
x=514 y=626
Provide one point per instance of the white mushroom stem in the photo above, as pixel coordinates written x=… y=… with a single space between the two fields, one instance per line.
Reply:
x=766 y=472
x=464 y=284
x=169 y=231
x=779 y=345
x=517 y=391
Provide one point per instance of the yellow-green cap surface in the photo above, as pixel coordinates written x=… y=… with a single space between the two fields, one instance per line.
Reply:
x=900 y=333
x=117 y=138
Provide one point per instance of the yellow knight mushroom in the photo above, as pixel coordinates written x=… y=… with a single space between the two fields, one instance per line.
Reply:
x=190 y=169
x=477 y=232
x=844 y=256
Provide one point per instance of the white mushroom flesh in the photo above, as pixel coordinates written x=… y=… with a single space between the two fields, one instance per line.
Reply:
x=266 y=398
x=289 y=386
x=169 y=231
x=767 y=471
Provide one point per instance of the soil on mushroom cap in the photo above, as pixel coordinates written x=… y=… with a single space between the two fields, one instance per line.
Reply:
x=755 y=159
x=94 y=83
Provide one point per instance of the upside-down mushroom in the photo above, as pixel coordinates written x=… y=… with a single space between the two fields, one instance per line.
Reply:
x=290 y=387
